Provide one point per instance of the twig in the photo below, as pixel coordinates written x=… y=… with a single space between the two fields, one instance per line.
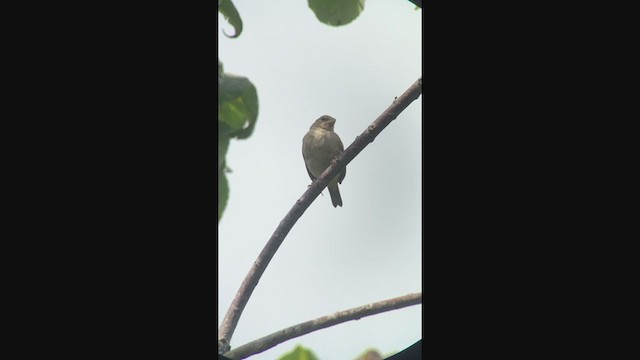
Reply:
x=278 y=337
x=230 y=320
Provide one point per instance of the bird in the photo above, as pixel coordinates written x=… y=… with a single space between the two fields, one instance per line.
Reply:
x=320 y=146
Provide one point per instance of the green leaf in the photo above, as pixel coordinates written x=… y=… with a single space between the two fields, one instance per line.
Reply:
x=336 y=12
x=370 y=354
x=230 y=13
x=223 y=193
x=237 y=116
x=237 y=105
x=223 y=185
x=299 y=353
x=223 y=145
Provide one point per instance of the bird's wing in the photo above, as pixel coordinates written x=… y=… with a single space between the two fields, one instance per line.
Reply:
x=313 y=178
x=344 y=172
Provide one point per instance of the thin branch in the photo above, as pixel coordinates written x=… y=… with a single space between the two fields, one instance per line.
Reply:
x=232 y=316
x=278 y=337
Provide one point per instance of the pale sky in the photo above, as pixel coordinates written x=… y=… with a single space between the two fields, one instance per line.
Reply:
x=334 y=258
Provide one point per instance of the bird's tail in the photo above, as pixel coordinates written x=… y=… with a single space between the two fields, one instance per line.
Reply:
x=336 y=200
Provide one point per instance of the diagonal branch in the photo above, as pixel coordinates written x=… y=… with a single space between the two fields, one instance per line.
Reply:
x=417 y=3
x=278 y=337
x=230 y=320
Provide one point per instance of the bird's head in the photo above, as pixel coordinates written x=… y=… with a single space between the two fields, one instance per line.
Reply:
x=324 y=122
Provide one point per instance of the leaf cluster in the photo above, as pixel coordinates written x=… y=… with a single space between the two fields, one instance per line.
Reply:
x=237 y=116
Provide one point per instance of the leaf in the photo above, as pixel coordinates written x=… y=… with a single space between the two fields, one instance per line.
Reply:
x=336 y=12
x=299 y=353
x=237 y=105
x=230 y=13
x=223 y=145
x=371 y=354
x=223 y=185
x=223 y=193
x=237 y=116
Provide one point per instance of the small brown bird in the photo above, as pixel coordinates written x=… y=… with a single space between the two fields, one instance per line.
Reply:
x=319 y=147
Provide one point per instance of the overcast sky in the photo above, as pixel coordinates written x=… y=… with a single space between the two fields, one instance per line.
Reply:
x=334 y=258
